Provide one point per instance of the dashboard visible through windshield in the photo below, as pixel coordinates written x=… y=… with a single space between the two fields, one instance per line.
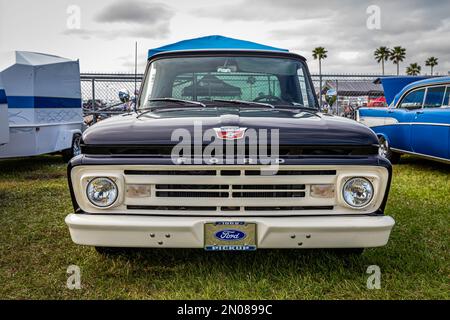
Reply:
x=270 y=80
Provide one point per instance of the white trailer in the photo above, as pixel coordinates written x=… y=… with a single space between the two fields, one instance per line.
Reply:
x=4 y=122
x=42 y=96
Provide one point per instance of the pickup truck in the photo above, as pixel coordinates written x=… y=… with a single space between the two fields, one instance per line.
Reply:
x=227 y=150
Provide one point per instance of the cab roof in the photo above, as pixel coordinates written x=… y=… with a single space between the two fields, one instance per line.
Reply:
x=213 y=43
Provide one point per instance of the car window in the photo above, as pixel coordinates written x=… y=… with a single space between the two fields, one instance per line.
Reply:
x=446 y=98
x=413 y=100
x=434 y=97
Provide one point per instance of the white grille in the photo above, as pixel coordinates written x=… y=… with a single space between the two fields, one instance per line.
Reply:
x=229 y=190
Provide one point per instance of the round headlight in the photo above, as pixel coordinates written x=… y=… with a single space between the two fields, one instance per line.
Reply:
x=102 y=192
x=358 y=192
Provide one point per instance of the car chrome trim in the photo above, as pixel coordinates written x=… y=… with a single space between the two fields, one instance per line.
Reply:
x=422 y=155
x=417 y=123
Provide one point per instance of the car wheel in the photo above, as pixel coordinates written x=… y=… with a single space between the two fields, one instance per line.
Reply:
x=74 y=150
x=385 y=151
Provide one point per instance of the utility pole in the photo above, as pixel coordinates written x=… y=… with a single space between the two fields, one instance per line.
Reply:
x=135 y=68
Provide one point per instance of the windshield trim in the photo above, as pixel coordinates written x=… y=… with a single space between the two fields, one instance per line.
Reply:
x=231 y=53
x=226 y=53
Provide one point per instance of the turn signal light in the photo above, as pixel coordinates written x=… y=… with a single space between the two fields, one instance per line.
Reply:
x=138 y=190
x=322 y=191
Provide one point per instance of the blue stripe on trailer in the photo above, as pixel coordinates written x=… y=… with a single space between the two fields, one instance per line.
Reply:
x=2 y=96
x=42 y=102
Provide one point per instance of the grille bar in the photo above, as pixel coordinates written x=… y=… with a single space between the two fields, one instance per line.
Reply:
x=288 y=208
x=268 y=194
x=292 y=173
x=171 y=172
x=228 y=209
x=191 y=187
x=270 y=187
x=230 y=172
x=166 y=208
x=191 y=194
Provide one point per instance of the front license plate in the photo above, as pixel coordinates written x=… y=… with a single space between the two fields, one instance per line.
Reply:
x=230 y=236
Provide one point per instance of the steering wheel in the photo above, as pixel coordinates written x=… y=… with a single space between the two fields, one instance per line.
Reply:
x=267 y=97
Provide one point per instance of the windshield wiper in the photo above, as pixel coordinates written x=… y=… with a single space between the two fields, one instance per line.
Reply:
x=179 y=101
x=302 y=107
x=248 y=103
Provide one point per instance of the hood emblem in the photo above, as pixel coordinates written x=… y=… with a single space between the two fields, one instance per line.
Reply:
x=230 y=133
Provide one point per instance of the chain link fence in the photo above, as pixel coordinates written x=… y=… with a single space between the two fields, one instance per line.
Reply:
x=343 y=77
x=104 y=88
x=100 y=92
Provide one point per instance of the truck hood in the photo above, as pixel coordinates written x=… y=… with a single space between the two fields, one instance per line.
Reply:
x=295 y=128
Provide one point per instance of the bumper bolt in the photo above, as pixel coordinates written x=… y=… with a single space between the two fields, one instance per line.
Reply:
x=308 y=236
x=167 y=235
x=160 y=243
x=293 y=236
x=300 y=244
x=152 y=235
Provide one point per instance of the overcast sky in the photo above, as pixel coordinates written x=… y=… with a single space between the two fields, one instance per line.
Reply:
x=103 y=34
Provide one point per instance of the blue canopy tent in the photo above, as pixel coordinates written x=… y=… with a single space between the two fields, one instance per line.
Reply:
x=212 y=42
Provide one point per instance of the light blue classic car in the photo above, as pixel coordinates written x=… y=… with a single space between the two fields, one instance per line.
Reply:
x=417 y=121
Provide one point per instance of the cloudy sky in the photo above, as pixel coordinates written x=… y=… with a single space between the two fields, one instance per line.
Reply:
x=102 y=33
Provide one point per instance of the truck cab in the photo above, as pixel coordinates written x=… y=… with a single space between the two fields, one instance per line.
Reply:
x=227 y=150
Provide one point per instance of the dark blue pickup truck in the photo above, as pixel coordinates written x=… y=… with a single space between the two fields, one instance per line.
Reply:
x=227 y=150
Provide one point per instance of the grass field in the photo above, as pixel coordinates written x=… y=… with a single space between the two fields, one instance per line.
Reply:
x=36 y=250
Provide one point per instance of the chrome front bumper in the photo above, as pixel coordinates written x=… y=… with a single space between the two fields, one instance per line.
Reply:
x=188 y=232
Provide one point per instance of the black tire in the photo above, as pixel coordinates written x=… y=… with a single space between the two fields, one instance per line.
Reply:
x=386 y=152
x=74 y=149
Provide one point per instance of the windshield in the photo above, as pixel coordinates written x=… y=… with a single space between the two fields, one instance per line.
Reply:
x=276 y=81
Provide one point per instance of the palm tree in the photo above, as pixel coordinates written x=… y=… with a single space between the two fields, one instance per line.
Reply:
x=413 y=69
x=431 y=62
x=320 y=53
x=381 y=55
x=397 y=55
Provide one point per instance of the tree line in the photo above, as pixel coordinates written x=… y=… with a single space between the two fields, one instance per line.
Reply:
x=382 y=54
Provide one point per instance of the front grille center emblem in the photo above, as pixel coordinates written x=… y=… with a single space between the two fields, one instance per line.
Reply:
x=230 y=133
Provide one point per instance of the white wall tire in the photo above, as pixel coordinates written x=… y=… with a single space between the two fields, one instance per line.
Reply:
x=385 y=151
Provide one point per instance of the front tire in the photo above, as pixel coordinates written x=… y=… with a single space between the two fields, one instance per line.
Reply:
x=386 y=152
x=74 y=150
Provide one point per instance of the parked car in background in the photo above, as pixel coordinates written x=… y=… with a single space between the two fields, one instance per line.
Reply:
x=379 y=102
x=417 y=122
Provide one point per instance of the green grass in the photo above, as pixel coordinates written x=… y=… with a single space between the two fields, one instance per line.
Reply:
x=36 y=250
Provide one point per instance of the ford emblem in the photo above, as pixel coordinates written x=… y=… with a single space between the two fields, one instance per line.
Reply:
x=230 y=235
x=230 y=133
